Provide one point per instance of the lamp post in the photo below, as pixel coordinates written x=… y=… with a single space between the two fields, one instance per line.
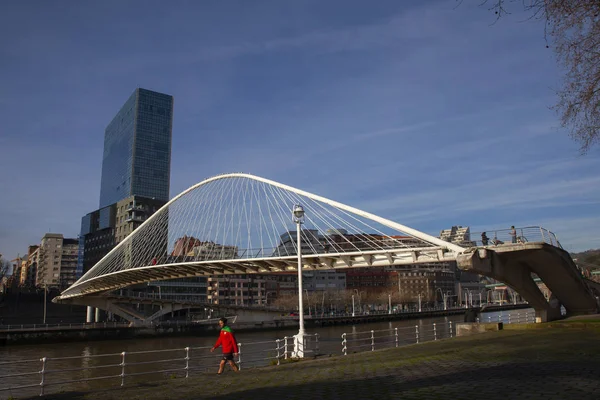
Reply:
x=448 y=294
x=308 y=302
x=399 y=292
x=359 y=303
x=466 y=297
x=45 y=290
x=443 y=298
x=298 y=217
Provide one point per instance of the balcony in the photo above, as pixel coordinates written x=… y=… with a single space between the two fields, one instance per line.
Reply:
x=137 y=208
x=135 y=218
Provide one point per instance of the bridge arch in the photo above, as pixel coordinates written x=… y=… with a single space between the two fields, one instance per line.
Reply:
x=241 y=223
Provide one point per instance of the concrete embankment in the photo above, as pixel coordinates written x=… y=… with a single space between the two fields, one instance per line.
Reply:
x=555 y=361
x=111 y=330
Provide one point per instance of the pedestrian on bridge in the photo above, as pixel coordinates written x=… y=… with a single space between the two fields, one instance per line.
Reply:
x=513 y=234
x=229 y=346
x=484 y=239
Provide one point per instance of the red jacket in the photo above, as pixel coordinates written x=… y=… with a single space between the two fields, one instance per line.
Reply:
x=227 y=340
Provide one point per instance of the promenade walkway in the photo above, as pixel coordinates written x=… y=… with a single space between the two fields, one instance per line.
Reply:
x=552 y=361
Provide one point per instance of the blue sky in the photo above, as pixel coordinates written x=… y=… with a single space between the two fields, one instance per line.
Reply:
x=418 y=111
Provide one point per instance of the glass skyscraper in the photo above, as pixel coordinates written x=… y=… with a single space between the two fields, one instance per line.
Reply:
x=137 y=149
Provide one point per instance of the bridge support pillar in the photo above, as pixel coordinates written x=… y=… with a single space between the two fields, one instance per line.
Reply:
x=514 y=273
x=89 y=315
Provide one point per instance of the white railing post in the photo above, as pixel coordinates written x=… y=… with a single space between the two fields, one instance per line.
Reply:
x=43 y=373
x=417 y=333
x=277 y=344
x=396 y=334
x=372 y=340
x=123 y=368
x=434 y=332
x=187 y=362
x=316 y=343
x=450 y=328
x=344 y=344
x=285 y=347
x=509 y=319
x=240 y=356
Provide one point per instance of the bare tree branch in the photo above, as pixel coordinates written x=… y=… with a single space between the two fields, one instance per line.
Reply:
x=573 y=27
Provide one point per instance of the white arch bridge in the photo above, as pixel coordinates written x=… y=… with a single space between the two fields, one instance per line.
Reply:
x=239 y=223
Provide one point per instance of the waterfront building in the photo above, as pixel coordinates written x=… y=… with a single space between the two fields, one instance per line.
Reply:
x=136 y=168
x=137 y=149
x=458 y=235
x=242 y=289
x=57 y=261
x=312 y=243
x=33 y=254
x=184 y=245
x=323 y=280
x=188 y=248
x=17 y=269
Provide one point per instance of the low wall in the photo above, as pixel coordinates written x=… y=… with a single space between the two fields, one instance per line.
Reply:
x=470 y=328
x=64 y=336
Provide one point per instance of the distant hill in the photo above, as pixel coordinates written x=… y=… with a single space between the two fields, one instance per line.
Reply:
x=588 y=257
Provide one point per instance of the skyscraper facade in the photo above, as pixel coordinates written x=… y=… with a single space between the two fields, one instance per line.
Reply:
x=136 y=168
x=137 y=149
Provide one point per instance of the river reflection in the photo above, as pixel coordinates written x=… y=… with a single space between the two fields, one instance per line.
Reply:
x=88 y=360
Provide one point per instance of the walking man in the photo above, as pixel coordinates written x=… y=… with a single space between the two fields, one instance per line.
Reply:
x=229 y=345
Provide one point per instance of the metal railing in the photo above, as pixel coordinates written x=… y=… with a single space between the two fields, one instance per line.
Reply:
x=130 y=366
x=356 y=342
x=523 y=235
x=526 y=317
x=62 y=326
x=395 y=337
x=285 y=347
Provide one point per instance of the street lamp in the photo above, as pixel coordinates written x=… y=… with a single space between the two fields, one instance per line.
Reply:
x=308 y=302
x=467 y=297
x=444 y=298
x=298 y=217
x=359 y=302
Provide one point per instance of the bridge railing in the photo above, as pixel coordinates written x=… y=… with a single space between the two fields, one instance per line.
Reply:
x=27 y=377
x=523 y=235
x=355 y=342
x=285 y=346
x=63 y=326
x=525 y=317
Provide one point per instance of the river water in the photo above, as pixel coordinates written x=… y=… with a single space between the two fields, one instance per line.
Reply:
x=95 y=359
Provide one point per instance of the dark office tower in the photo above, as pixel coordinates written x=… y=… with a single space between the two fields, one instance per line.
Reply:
x=137 y=149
